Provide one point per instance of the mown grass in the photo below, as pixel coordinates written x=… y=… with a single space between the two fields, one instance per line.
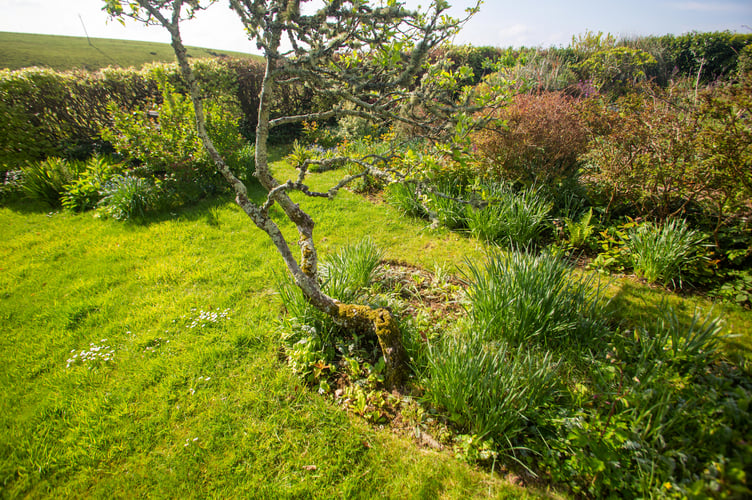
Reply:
x=182 y=412
x=206 y=411
x=62 y=53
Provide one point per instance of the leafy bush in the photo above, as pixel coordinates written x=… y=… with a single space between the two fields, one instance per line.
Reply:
x=46 y=180
x=126 y=197
x=660 y=252
x=514 y=219
x=48 y=113
x=615 y=70
x=724 y=144
x=11 y=185
x=85 y=191
x=491 y=390
x=536 y=139
x=648 y=160
x=525 y=299
x=613 y=254
x=716 y=53
x=736 y=289
x=243 y=163
x=667 y=155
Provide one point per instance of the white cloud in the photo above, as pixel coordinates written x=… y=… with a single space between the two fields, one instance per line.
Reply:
x=516 y=34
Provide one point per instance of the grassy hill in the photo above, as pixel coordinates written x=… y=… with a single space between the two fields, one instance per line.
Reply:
x=21 y=50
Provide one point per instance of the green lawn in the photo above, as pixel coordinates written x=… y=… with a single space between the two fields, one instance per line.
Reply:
x=62 y=53
x=162 y=409
x=179 y=411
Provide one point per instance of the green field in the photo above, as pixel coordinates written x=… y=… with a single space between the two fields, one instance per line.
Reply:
x=21 y=50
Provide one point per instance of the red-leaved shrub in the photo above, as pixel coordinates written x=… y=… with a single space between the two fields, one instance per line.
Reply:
x=534 y=139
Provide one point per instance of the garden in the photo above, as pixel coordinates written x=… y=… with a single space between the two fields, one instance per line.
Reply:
x=540 y=262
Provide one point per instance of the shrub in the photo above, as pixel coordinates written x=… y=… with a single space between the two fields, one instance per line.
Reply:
x=660 y=252
x=11 y=185
x=536 y=139
x=165 y=143
x=615 y=70
x=647 y=161
x=46 y=180
x=525 y=299
x=514 y=219
x=243 y=163
x=48 y=113
x=715 y=53
x=126 y=197
x=85 y=192
x=725 y=148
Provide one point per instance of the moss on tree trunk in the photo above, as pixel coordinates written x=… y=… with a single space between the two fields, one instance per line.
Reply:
x=382 y=323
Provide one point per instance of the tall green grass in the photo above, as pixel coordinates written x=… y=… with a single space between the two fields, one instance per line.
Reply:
x=489 y=389
x=351 y=269
x=660 y=252
x=513 y=219
x=524 y=298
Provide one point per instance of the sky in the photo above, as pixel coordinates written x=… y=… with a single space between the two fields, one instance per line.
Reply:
x=500 y=23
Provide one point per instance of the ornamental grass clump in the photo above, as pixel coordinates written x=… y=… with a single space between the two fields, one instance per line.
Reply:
x=489 y=389
x=46 y=180
x=523 y=299
x=510 y=218
x=660 y=252
x=445 y=205
x=126 y=197
x=350 y=270
x=404 y=197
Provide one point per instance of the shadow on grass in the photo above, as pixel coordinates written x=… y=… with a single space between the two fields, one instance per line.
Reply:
x=635 y=304
x=26 y=206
